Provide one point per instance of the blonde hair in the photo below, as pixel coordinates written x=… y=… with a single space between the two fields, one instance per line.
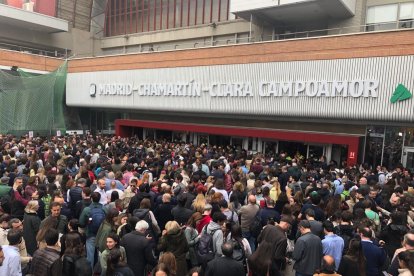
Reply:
x=172 y=225
x=31 y=206
x=199 y=203
x=275 y=191
x=238 y=186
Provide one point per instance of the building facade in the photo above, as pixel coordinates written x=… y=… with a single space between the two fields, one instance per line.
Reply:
x=323 y=78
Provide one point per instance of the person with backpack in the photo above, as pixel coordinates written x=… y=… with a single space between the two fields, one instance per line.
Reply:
x=144 y=213
x=241 y=247
x=211 y=239
x=91 y=219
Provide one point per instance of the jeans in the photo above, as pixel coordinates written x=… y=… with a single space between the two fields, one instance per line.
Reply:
x=90 y=250
x=251 y=240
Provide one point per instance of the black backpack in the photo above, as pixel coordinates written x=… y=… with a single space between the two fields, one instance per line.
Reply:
x=239 y=254
x=143 y=214
x=256 y=226
x=204 y=248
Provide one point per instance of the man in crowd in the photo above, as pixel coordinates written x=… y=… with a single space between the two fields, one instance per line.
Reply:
x=332 y=244
x=62 y=221
x=90 y=219
x=12 y=263
x=375 y=255
x=308 y=251
x=47 y=261
x=225 y=265
x=276 y=235
x=138 y=249
x=247 y=215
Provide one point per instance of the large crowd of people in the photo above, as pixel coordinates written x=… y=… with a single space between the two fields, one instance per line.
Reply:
x=97 y=205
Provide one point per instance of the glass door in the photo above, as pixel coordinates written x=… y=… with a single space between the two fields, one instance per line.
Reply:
x=408 y=158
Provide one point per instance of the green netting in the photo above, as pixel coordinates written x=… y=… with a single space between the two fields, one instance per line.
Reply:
x=32 y=102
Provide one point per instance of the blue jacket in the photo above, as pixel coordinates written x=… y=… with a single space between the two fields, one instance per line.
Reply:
x=375 y=258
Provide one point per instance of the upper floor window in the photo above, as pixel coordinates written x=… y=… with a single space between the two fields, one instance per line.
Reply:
x=391 y=16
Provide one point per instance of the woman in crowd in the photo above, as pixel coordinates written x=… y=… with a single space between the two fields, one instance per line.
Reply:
x=40 y=237
x=116 y=265
x=112 y=242
x=406 y=262
x=73 y=227
x=199 y=203
x=281 y=202
x=260 y=262
x=173 y=240
x=74 y=260
x=239 y=191
x=168 y=259
x=107 y=227
x=192 y=237
x=393 y=233
x=353 y=262
x=31 y=224
x=161 y=269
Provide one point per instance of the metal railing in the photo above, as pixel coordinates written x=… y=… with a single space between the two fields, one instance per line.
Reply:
x=35 y=51
x=238 y=39
x=276 y=35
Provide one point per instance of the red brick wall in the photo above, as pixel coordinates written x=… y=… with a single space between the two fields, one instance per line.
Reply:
x=34 y=62
x=393 y=43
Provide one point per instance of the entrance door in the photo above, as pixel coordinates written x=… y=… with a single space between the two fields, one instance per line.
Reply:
x=408 y=158
x=315 y=151
x=270 y=147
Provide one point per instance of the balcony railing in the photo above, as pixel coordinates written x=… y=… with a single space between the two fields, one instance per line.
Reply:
x=247 y=38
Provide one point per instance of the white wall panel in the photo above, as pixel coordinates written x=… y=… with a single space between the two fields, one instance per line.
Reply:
x=389 y=71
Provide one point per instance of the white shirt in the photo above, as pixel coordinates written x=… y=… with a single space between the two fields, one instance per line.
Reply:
x=11 y=264
x=104 y=198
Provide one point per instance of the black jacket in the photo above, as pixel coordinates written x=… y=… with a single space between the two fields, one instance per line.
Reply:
x=181 y=214
x=139 y=252
x=225 y=266
x=163 y=214
x=31 y=225
x=76 y=265
x=136 y=201
x=393 y=235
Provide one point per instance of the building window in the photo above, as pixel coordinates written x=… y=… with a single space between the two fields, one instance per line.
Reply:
x=388 y=17
x=406 y=16
x=137 y=16
x=382 y=17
